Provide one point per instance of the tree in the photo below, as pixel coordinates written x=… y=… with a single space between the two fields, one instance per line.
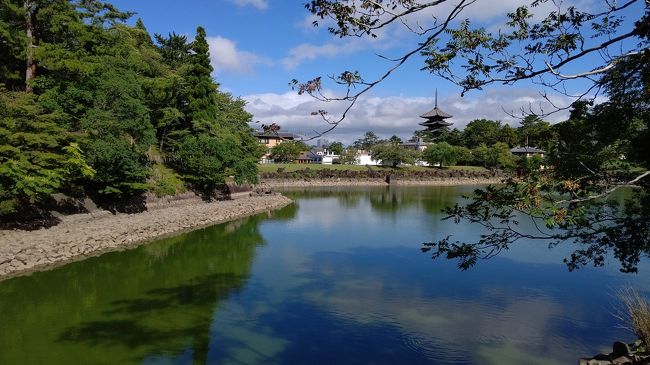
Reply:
x=196 y=117
x=440 y=154
x=499 y=156
x=336 y=148
x=105 y=94
x=392 y=154
x=508 y=135
x=367 y=142
x=554 y=50
x=480 y=155
x=36 y=156
x=349 y=156
x=463 y=155
x=395 y=139
x=601 y=149
x=481 y=131
x=287 y=151
x=531 y=45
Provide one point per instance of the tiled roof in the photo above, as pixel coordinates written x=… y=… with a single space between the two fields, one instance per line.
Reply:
x=526 y=150
x=284 y=135
x=435 y=112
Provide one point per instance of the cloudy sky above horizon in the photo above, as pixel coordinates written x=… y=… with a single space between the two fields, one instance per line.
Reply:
x=258 y=46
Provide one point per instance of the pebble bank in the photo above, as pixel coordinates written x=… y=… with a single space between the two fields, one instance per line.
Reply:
x=80 y=236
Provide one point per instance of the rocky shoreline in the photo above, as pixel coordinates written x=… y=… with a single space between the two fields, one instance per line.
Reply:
x=301 y=183
x=80 y=236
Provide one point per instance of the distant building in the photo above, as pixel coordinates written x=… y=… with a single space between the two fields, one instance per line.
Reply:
x=435 y=118
x=416 y=145
x=323 y=156
x=304 y=158
x=528 y=152
x=364 y=158
x=271 y=140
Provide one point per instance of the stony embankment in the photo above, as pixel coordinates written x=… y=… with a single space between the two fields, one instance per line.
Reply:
x=80 y=236
x=301 y=183
x=622 y=354
x=377 y=177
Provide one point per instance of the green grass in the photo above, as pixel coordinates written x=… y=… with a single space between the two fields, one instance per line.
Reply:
x=290 y=167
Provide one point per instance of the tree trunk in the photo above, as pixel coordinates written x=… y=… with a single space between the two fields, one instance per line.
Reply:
x=30 y=69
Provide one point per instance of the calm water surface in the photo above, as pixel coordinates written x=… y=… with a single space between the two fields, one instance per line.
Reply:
x=336 y=278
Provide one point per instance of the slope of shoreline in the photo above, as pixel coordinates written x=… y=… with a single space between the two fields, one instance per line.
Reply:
x=450 y=181
x=81 y=236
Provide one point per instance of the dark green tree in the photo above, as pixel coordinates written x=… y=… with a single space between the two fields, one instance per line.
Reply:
x=369 y=140
x=508 y=135
x=536 y=133
x=440 y=154
x=36 y=156
x=481 y=131
x=336 y=147
x=394 y=139
x=393 y=155
x=287 y=151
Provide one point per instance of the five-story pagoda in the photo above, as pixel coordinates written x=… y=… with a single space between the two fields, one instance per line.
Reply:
x=435 y=118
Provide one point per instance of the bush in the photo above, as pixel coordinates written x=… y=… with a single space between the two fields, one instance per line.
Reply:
x=636 y=314
x=165 y=181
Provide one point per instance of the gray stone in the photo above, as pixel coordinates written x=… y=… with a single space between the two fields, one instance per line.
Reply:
x=599 y=362
x=622 y=360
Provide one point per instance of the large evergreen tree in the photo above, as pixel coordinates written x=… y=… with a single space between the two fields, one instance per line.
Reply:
x=81 y=87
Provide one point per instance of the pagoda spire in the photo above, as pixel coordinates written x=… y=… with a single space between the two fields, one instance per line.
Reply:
x=436 y=97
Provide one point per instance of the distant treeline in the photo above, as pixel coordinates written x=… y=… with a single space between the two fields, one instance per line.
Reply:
x=90 y=106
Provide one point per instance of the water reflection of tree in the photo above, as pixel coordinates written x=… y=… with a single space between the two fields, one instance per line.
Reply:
x=394 y=200
x=156 y=300
x=386 y=199
x=348 y=196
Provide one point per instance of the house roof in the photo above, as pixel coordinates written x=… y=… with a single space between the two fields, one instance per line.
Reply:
x=526 y=150
x=284 y=135
x=304 y=156
x=417 y=144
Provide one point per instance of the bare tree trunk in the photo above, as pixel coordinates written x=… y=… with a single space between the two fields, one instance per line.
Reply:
x=30 y=69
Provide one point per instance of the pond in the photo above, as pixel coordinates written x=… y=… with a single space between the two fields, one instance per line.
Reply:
x=336 y=278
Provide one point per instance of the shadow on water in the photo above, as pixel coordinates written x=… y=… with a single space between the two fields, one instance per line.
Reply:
x=162 y=321
x=125 y=307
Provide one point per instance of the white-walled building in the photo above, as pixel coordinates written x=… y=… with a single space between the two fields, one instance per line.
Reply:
x=323 y=156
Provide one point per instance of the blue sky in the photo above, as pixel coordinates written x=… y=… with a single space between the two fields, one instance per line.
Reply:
x=258 y=46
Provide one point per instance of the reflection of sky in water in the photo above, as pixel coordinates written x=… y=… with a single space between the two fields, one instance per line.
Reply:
x=344 y=277
x=337 y=278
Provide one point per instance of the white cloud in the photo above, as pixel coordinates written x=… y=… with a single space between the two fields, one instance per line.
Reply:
x=488 y=13
x=260 y=4
x=395 y=114
x=306 y=52
x=226 y=57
